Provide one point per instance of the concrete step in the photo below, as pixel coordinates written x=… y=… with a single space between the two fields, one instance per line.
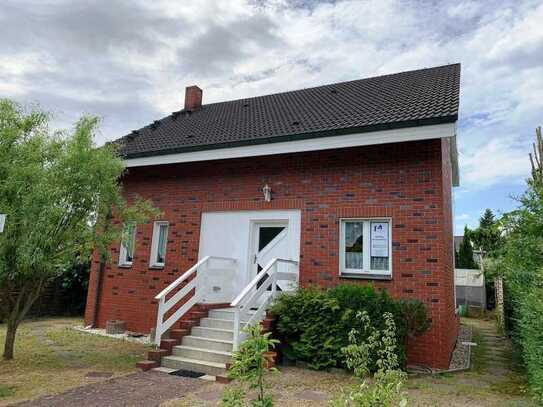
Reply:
x=218 y=323
x=226 y=313
x=194 y=365
x=190 y=352
x=208 y=343
x=213 y=333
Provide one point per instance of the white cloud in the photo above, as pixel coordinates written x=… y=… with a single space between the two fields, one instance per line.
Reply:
x=131 y=64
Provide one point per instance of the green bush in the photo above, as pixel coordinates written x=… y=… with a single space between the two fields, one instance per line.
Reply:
x=530 y=338
x=314 y=324
x=309 y=323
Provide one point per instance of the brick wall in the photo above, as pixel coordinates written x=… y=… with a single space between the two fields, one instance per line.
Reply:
x=409 y=182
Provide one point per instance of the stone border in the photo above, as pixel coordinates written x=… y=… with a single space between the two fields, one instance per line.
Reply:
x=144 y=340
x=460 y=359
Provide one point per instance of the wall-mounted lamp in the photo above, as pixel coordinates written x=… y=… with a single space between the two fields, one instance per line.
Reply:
x=267 y=193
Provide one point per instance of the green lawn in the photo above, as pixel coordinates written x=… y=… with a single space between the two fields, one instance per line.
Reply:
x=50 y=358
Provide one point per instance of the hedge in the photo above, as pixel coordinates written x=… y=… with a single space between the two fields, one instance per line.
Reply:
x=313 y=324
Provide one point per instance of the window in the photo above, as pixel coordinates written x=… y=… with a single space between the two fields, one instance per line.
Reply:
x=128 y=240
x=158 y=247
x=365 y=247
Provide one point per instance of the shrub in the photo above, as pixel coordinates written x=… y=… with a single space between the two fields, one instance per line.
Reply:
x=373 y=347
x=310 y=322
x=530 y=338
x=314 y=324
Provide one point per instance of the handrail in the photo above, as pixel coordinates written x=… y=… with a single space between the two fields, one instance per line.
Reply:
x=251 y=293
x=257 y=278
x=164 y=306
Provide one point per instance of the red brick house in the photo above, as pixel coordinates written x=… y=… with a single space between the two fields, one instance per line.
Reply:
x=349 y=182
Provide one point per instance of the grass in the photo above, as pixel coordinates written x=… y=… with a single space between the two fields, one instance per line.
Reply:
x=478 y=353
x=50 y=358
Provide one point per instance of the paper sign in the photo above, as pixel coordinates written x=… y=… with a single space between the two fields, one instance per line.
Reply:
x=379 y=239
x=2 y=222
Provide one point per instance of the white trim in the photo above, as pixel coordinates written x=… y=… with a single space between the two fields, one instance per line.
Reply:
x=154 y=244
x=314 y=144
x=122 y=250
x=367 y=248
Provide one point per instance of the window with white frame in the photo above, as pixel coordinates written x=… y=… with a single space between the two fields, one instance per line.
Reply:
x=128 y=240
x=158 y=245
x=365 y=246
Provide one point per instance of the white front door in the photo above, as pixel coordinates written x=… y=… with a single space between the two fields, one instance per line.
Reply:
x=238 y=234
x=271 y=239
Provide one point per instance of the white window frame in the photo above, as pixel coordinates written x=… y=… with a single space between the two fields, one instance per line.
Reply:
x=154 y=244
x=366 y=271
x=123 y=262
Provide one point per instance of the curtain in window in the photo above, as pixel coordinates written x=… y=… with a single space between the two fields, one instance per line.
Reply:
x=128 y=242
x=354 y=240
x=161 y=250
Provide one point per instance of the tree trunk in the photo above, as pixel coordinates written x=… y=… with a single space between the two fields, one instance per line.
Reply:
x=25 y=298
x=10 y=339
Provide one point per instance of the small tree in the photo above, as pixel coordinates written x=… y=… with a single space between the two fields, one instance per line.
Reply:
x=465 y=253
x=487 y=237
x=58 y=191
x=249 y=367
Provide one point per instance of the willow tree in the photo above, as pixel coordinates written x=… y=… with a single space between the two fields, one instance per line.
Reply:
x=58 y=191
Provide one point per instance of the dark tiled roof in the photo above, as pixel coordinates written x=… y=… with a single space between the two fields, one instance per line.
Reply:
x=414 y=98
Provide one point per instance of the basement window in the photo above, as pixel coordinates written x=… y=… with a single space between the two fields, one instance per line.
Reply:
x=365 y=248
x=128 y=241
x=158 y=245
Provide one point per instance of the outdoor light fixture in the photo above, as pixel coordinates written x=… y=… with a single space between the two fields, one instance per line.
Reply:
x=267 y=193
x=2 y=222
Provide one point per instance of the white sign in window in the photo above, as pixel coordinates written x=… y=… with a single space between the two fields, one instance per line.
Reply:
x=379 y=239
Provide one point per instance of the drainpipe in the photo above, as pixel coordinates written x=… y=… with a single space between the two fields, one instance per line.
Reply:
x=99 y=274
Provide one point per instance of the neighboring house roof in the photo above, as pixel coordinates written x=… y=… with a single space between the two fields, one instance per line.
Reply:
x=414 y=98
x=458 y=242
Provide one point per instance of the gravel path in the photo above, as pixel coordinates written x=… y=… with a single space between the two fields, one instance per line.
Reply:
x=137 y=389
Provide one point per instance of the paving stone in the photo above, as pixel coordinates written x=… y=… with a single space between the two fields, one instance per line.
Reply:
x=209 y=395
x=312 y=395
x=98 y=375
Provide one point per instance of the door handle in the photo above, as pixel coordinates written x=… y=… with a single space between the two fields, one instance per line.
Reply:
x=254 y=259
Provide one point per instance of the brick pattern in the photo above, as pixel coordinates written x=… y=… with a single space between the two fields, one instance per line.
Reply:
x=409 y=182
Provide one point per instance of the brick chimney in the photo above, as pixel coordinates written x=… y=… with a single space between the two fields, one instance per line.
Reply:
x=193 y=98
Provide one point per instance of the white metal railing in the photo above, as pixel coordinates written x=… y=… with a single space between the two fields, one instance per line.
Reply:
x=165 y=305
x=254 y=295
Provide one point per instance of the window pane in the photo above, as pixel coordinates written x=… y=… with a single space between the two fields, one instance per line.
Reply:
x=354 y=232
x=379 y=263
x=161 y=249
x=128 y=243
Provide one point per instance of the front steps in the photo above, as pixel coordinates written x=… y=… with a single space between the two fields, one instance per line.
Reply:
x=206 y=347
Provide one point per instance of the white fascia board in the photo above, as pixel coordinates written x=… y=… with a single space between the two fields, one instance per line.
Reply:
x=454 y=161
x=298 y=146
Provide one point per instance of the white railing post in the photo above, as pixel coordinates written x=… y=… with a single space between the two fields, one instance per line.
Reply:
x=236 y=328
x=274 y=281
x=159 y=320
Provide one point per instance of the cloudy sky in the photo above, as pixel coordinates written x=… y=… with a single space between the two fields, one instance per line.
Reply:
x=129 y=61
